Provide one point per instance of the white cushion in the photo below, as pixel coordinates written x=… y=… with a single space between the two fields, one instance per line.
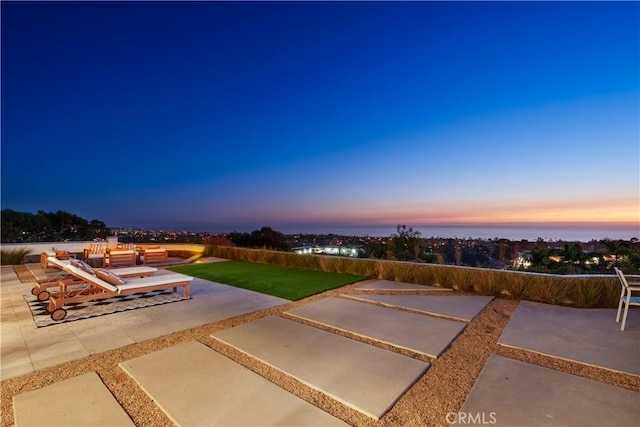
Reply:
x=60 y=263
x=165 y=279
x=132 y=271
x=90 y=278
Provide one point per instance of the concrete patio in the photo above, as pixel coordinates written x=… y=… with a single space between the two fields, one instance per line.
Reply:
x=195 y=385
x=26 y=348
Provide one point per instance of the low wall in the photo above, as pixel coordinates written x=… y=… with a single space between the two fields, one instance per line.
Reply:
x=35 y=249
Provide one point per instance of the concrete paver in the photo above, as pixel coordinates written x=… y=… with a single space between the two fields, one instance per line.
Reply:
x=416 y=332
x=44 y=347
x=81 y=401
x=196 y=386
x=459 y=307
x=364 y=377
x=388 y=285
x=510 y=392
x=589 y=336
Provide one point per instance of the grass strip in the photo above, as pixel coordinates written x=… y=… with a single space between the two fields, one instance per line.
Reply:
x=284 y=282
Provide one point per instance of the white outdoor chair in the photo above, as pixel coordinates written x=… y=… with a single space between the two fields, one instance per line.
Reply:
x=626 y=297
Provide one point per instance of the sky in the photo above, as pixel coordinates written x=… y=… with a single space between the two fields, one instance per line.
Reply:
x=233 y=115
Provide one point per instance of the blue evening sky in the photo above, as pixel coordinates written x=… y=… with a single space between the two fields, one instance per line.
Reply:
x=232 y=115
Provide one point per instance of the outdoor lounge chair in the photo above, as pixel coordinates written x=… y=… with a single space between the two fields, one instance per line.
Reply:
x=626 y=297
x=41 y=286
x=106 y=285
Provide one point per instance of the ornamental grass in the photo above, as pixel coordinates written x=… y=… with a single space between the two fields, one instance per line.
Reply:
x=576 y=291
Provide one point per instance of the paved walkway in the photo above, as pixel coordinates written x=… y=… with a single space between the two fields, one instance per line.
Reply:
x=196 y=383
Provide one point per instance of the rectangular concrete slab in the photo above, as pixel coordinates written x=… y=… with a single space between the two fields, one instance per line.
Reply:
x=585 y=335
x=416 y=332
x=387 y=285
x=459 y=307
x=80 y=401
x=365 y=378
x=196 y=386
x=513 y=393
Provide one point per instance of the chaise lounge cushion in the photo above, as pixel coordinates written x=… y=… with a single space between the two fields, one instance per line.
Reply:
x=168 y=280
x=109 y=277
x=82 y=265
x=90 y=278
x=60 y=263
x=132 y=285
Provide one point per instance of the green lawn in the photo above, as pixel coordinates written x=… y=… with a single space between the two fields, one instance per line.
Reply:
x=284 y=282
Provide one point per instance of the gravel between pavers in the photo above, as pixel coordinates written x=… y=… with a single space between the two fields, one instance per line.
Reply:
x=442 y=389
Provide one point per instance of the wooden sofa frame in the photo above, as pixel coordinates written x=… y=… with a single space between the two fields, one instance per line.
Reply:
x=154 y=256
x=116 y=258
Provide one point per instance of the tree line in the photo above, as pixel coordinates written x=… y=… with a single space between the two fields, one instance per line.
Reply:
x=24 y=227
x=265 y=238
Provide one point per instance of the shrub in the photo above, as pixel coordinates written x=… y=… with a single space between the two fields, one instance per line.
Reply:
x=461 y=279
x=516 y=285
x=442 y=277
x=550 y=290
x=609 y=292
x=13 y=256
x=586 y=293
x=485 y=282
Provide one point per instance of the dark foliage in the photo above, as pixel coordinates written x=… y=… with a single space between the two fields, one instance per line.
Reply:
x=22 y=227
x=265 y=238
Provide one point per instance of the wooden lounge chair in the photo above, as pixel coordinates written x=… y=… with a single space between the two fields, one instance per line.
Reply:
x=41 y=286
x=106 y=285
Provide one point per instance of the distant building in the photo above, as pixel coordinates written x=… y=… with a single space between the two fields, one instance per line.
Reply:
x=328 y=250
